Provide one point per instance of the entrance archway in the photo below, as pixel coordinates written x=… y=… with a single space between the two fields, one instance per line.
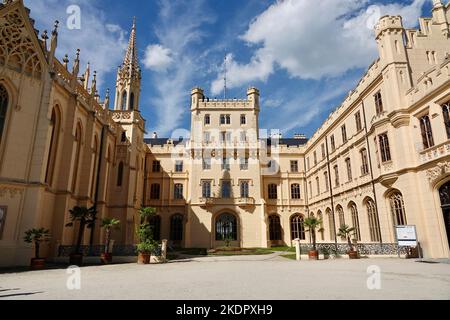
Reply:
x=444 y=194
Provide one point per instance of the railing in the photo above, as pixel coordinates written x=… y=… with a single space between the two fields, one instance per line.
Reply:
x=96 y=250
x=243 y=202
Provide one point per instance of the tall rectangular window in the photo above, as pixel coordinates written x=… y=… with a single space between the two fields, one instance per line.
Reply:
x=225 y=119
x=310 y=189
x=364 y=162
x=333 y=143
x=294 y=166
x=307 y=164
x=179 y=166
x=427 y=133
x=295 y=191
x=446 y=114
x=225 y=163
x=206 y=164
x=348 y=164
x=206 y=137
x=358 y=121
x=243 y=119
x=336 y=176
x=206 y=189
x=378 y=103
x=384 y=147
x=244 y=189
x=244 y=163
x=156 y=166
x=178 y=191
x=2 y=220
x=207 y=119
x=226 y=189
x=323 y=151
x=155 y=190
x=344 y=134
x=272 y=191
x=315 y=157
x=243 y=136
x=327 y=181
x=318 y=185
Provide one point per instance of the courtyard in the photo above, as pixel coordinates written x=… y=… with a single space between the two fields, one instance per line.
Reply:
x=264 y=277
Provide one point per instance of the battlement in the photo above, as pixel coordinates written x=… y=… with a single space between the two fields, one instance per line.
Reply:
x=199 y=100
x=388 y=23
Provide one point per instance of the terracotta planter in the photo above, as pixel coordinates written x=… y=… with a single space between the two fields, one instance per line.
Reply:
x=144 y=258
x=37 y=264
x=76 y=259
x=106 y=258
x=352 y=254
x=313 y=255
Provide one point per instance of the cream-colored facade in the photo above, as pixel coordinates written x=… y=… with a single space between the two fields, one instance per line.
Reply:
x=381 y=159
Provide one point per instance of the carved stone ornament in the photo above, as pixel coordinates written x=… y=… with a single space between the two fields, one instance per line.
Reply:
x=9 y=190
x=437 y=172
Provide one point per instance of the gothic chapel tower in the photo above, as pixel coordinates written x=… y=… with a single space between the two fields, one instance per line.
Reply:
x=130 y=154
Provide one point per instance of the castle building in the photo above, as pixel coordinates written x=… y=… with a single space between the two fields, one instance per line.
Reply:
x=380 y=160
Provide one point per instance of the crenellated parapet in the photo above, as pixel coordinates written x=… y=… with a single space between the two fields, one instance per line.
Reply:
x=388 y=24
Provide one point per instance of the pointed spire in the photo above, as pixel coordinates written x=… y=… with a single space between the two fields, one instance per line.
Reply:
x=44 y=37
x=76 y=64
x=66 y=61
x=106 y=102
x=87 y=74
x=94 y=84
x=130 y=64
x=53 y=43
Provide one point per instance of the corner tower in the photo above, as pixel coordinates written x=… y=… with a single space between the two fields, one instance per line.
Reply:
x=128 y=83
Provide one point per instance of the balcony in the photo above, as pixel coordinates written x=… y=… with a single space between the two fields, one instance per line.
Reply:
x=241 y=202
x=245 y=202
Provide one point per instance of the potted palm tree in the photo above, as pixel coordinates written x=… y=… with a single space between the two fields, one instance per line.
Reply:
x=144 y=231
x=109 y=224
x=37 y=237
x=346 y=232
x=86 y=218
x=313 y=223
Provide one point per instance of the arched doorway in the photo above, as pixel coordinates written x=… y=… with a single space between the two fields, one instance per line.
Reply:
x=444 y=194
x=226 y=228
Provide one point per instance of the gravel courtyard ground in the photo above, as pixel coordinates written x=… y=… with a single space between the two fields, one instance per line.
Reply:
x=242 y=278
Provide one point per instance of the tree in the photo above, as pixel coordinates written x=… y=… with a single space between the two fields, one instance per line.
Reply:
x=37 y=236
x=313 y=223
x=109 y=224
x=144 y=231
x=346 y=231
x=86 y=217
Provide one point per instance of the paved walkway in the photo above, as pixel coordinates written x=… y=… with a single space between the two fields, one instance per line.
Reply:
x=266 y=277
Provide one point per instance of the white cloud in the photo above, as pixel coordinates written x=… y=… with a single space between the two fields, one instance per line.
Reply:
x=180 y=28
x=101 y=43
x=314 y=39
x=157 y=58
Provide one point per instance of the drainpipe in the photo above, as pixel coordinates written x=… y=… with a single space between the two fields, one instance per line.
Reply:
x=331 y=193
x=371 y=169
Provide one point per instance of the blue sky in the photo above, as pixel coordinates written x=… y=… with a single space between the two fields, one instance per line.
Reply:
x=303 y=55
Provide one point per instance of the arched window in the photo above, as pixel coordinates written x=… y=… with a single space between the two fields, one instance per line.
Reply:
x=155 y=223
x=297 y=227
x=341 y=215
x=124 y=101
x=95 y=154
x=374 y=223
x=398 y=208
x=226 y=227
x=274 y=227
x=331 y=224
x=120 y=174
x=55 y=123
x=321 y=229
x=176 y=227
x=78 y=135
x=3 y=109
x=295 y=191
x=355 y=220
x=132 y=101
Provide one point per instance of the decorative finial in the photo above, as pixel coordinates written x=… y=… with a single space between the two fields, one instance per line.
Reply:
x=55 y=30
x=78 y=54
x=44 y=35
x=66 y=60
